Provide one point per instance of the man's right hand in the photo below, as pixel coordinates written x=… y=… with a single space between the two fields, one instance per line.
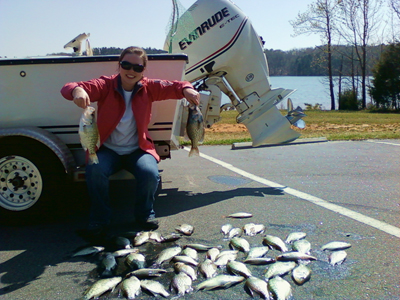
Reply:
x=81 y=98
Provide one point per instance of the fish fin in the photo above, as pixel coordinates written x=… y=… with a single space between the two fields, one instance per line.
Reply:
x=93 y=159
x=194 y=151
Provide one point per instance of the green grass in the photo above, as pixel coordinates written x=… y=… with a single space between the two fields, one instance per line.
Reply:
x=334 y=125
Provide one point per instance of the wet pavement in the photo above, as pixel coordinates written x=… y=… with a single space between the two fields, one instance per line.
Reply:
x=363 y=177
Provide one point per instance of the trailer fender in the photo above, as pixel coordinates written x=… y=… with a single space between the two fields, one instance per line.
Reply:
x=47 y=138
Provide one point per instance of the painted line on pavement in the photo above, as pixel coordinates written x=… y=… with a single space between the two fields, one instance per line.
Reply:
x=387 y=143
x=390 y=229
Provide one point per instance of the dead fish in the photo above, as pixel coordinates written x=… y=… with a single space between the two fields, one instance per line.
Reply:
x=167 y=254
x=303 y=246
x=256 y=252
x=131 y=287
x=88 y=250
x=135 y=260
x=226 y=228
x=201 y=247
x=258 y=286
x=89 y=134
x=295 y=256
x=301 y=274
x=195 y=128
x=182 y=267
x=191 y=253
x=156 y=236
x=337 y=257
x=141 y=238
x=100 y=287
x=234 y=232
x=333 y=246
x=154 y=287
x=145 y=273
x=224 y=257
x=219 y=281
x=208 y=268
x=185 y=259
x=279 y=268
x=185 y=229
x=252 y=229
x=122 y=242
x=108 y=264
x=212 y=254
x=275 y=242
x=238 y=268
x=240 y=244
x=170 y=237
x=295 y=236
x=182 y=283
x=259 y=260
x=124 y=252
x=240 y=215
x=280 y=288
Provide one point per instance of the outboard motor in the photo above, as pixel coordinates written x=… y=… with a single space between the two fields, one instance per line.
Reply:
x=226 y=54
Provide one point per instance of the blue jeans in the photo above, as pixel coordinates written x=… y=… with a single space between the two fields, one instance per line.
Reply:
x=141 y=164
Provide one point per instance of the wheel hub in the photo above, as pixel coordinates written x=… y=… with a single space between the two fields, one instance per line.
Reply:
x=20 y=183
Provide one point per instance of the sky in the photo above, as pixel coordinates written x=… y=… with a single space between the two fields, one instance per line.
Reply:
x=41 y=27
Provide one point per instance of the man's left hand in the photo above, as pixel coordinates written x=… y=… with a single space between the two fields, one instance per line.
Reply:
x=192 y=96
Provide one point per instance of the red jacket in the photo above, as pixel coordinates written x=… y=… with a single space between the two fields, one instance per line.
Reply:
x=107 y=92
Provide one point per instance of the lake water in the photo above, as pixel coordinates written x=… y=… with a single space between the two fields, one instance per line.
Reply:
x=309 y=89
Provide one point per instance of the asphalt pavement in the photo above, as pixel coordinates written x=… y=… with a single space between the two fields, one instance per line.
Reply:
x=333 y=191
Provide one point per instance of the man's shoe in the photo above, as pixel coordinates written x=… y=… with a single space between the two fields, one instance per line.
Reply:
x=149 y=224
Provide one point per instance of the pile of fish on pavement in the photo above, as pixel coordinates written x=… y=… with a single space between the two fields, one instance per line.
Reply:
x=195 y=267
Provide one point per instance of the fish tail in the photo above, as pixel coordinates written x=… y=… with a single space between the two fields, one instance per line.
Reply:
x=194 y=151
x=93 y=159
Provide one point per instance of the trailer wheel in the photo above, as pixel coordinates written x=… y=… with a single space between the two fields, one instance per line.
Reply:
x=30 y=174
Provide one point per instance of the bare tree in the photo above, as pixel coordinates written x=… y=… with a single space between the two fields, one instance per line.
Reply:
x=360 y=20
x=395 y=4
x=320 y=19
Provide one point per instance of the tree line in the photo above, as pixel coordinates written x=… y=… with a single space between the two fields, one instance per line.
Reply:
x=354 y=23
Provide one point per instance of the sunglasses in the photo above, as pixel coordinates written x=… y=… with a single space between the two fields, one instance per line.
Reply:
x=126 y=65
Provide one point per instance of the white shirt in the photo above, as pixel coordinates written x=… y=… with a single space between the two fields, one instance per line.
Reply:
x=124 y=139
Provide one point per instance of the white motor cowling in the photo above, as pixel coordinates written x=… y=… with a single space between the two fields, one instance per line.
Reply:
x=222 y=43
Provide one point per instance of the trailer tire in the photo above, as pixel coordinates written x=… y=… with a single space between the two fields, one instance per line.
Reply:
x=30 y=177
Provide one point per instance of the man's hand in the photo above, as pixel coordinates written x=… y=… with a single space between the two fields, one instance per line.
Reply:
x=192 y=96
x=81 y=98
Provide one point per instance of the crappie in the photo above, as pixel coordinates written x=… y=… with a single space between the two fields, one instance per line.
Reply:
x=154 y=287
x=279 y=268
x=238 y=268
x=295 y=236
x=185 y=229
x=280 y=288
x=337 y=257
x=180 y=267
x=240 y=244
x=275 y=242
x=108 y=264
x=144 y=273
x=303 y=246
x=191 y=253
x=195 y=129
x=182 y=283
x=252 y=229
x=88 y=250
x=336 y=245
x=224 y=281
x=208 y=268
x=167 y=254
x=257 y=252
x=212 y=253
x=131 y=287
x=101 y=286
x=258 y=286
x=136 y=261
x=89 y=134
x=301 y=274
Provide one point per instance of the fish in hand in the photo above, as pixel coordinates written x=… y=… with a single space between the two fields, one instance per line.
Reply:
x=195 y=129
x=89 y=133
